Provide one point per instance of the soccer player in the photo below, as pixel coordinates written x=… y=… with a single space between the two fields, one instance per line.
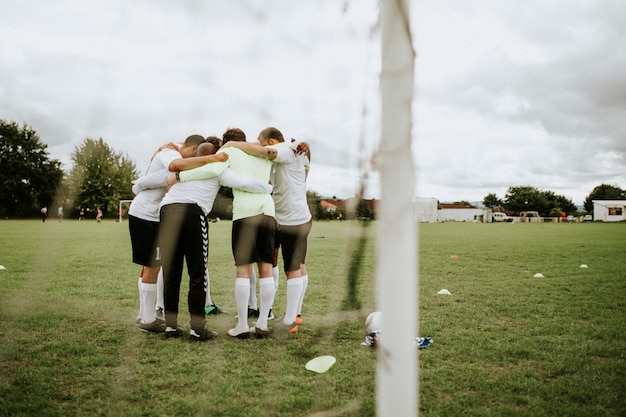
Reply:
x=184 y=237
x=292 y=212
x=254 y=226
x=143 y=226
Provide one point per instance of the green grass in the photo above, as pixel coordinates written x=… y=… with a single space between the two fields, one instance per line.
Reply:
x=505 y=343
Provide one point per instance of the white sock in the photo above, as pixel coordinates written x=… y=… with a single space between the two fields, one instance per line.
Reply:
x=305 y=283
x=294 y=291
x=140 y=299
x=276 y=275
x=242 y=293
x=252 y=302
x=148 y=294
x=159 y=300
x=267 y=292
x=207 y=301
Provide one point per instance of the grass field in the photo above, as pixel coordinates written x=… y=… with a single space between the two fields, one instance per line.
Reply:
x=505 y=343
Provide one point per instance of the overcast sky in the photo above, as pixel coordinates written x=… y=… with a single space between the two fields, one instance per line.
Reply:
x=507 y=93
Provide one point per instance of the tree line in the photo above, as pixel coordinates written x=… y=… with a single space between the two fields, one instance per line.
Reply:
x=101 y=176
x=549 y=204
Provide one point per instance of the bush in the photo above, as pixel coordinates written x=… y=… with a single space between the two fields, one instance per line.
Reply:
x=556 y=212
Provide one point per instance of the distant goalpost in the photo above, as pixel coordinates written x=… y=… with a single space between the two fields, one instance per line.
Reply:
x=120 y=211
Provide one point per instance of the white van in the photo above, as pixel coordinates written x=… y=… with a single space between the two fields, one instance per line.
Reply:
x=501 y=217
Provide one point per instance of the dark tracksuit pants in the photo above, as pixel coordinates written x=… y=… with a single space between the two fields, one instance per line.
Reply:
x=184 y=235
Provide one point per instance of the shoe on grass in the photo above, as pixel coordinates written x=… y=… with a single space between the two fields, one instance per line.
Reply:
x=259 y=333
x=171 y=332
x=156 y=326
x=252 y=312
x=240 y=333
x=213 y=309
x=281 y=327
x=423 y=342
x=202 y=335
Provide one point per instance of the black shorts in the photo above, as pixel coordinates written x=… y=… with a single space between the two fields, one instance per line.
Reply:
x=144 y=239
x=293 y=241
x=253 y=239
x=277 y=237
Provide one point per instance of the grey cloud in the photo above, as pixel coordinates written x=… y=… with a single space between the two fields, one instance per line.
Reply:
x=144 y=72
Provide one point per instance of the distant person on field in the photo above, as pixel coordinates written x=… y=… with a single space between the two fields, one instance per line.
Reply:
x=44 y=213
x=60 y=213
x=81 y=214
x=98 y=215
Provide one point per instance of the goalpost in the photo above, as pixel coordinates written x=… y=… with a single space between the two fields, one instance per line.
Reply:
x=396 y=272
x=120 y=210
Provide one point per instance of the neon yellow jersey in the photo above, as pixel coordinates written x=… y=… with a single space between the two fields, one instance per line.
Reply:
x=203 y=172
x=245 y=204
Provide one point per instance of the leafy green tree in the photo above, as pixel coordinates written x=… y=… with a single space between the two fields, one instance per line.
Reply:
x=565 y=204
x=30 y=177
x=491 y=201
x=604 y=192
x=100 y=176
x=526 y=198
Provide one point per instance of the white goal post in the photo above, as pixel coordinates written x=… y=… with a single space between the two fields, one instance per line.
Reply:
x=120 y=212
x=396 y=270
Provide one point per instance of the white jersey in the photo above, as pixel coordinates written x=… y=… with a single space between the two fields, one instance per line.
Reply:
x=289 y=179
x=200 y=192
x=150 y=188
x=203 y=192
